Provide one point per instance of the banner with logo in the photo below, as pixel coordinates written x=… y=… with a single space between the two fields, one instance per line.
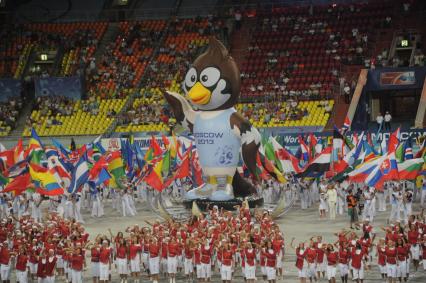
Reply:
x=9 y=88
x=70 y=87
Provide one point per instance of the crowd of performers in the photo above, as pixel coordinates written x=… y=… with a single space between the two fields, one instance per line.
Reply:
x=223 y=242
x=57 y=247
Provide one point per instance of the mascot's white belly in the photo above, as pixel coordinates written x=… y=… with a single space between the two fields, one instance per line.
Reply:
x=217 y=145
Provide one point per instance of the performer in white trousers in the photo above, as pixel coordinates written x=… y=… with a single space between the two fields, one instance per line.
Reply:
x=396 y=203
x=97 y=205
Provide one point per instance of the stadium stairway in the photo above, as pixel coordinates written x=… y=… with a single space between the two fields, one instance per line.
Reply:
x=240 y=41
x=420 y=121
x=109 y=36
x=20 y=123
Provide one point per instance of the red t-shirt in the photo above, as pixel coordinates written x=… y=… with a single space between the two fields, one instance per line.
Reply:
x=77 y=262
x=4 y=255
x=300 y=258
x=173 y=249
x=226 y=257
x=154 y=250
x=94 y=254
x=402 y=253
x=206 y=254
x=21 y=262
x=104 y=255
x=344 y=256
x=381 y=258
x=50 y=266
x=250 y=256
x=391 y=255
x=271 y=258
x=121 y=251
x=332 y=258
x=357 y=258
x=413 y=237
x=134 y=250
x=311 y=255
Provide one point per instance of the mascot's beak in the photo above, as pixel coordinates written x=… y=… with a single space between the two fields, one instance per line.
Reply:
x=199 y=94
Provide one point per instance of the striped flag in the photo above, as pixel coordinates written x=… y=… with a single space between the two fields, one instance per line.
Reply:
x=79 y=176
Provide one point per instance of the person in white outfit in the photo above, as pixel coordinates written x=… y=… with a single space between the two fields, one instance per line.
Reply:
x=423 y=194
x=332 y=200
x=407 y=204
x=35 y=202
x=125 y=203
x=341 y=197
x=381 y=199
x=396 y=204
x=76 y=200
x=97 y=205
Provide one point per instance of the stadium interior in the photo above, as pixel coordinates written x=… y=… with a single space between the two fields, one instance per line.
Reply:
x=81 y=68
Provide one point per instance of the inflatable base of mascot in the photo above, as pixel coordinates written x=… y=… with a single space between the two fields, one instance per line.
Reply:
x=205 y=204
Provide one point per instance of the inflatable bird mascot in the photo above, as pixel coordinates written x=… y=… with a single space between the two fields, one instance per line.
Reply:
x=212 y=87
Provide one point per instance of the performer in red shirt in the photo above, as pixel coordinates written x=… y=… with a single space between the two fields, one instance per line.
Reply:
x=172 y=253
x=227 y=262
x=250 y=262
x=301 y=264
x=21 y=265
x=50 y=266
x=332 y=258
x=344 y=257
x=104 y=261
x=5 y=257
x=188 y=260
x=135 y=250
x=311 y=255
x=206 y=257
x=381 y=258
x=154 y=259
x=77 y=264
x=391 y=254
x=121 y=258
x=357 y=263
x=403 y=251
x=271 y=262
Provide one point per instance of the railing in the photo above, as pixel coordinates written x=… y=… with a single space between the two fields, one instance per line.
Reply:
x=120 y=14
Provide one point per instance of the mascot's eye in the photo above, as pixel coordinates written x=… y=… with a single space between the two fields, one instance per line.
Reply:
x=191 y=77
x=210 y=76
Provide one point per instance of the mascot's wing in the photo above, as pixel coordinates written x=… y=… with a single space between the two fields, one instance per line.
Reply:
x=250 y=140
x=183 y=111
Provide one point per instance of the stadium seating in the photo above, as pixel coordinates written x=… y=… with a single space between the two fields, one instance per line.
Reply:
x=78 y=39
x=124 y=60
x=83 y=119
x=302 y=114
x=9 y=113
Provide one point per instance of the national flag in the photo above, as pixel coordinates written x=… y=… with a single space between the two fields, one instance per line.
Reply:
x=408 y=149
x=19 y=151
x=116 y=169
x=261 y=173
x=304 y=150
x=8 y=157
x=410 y=168
x=18 y=185
x=79 y=175
x=65 y=152
x=197 y=175
x=337 y=145
x=165 y=170
x=313 y=141
x=289 y=162
x=394 y=140
x=154 y=178
x=2 y=147
x=102 y=177
x=318 y=165
x=363 y=170
x=270 y=153
x=369 y=151
x=35 y=147
x=348 y=160
x=183 y=170
x=3 y=179
x=157 y=151
x=346 y=125
x=386 y=170
x=17 y=169
x=47 y=180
